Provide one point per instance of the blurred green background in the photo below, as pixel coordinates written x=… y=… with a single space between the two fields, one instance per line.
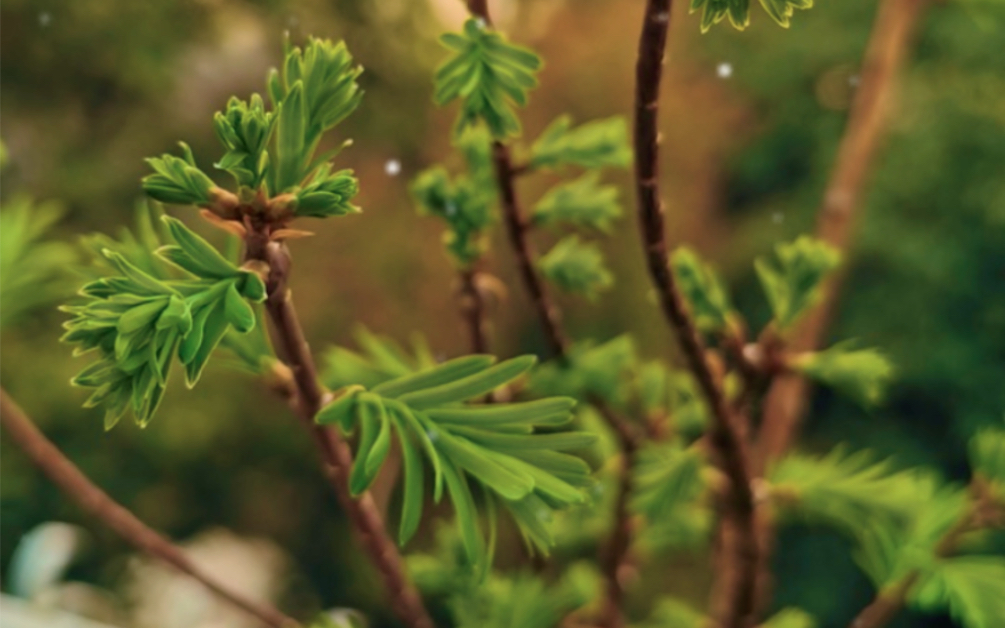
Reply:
x=90 y=88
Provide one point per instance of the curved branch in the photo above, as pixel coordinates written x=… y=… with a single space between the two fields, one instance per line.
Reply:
x=309 y=398
x=79 y=488
x=738 y=597
x=885 y=55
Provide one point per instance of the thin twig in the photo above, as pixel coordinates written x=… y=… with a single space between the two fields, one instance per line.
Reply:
x=738 y=607
x=79 y=488
x=888 y=48
x=472 y=306
x=337 y=456
x=506 y=172
x=516 y=230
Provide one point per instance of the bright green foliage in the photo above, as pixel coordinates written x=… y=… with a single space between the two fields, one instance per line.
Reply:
x=793 y=284
x=674 y=613
x=703 y=291
x=380 y=359
x=326 y=193
x=576 y=266
x=582 y=203
x=663 y=391
x=245 y=129
x=315 y=91
x=139 y=245
x=970 y=588
x=138 y=322
x=596 y=144
x=273 y=151
x=862 y=374
x=790 y=618
x=465 y=203
x=987 y=457
x=343 y=619
x=852 y=492
x=525 y=601
x=889 y=554
x=495 y=445
x=32 y=272
x=668 y=478
x=489 y=75
x=602 y=370
x=178 y=180
x=520 y=600
x=738 y=11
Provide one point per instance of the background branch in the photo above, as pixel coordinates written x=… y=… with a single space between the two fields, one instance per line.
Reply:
x=736 y=596
x=472 y=306
x=309 y=398
x=887 y=50
x=79 y=488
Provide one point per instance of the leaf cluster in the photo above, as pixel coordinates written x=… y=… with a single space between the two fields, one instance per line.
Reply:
x=852 y=492
x=498 y=446
x=592 y=370
x=583 y=203
x=378 y=360
x=32 y=271
x=703 y=291
x=987 y=457
x=465 y=202
x=137 y=323
x=862 y=374
x=489 y=75
x=596 y=144
x=520 y=600
x=792 y=285
x=271 y=152
x=576 y=266
x=738 y=11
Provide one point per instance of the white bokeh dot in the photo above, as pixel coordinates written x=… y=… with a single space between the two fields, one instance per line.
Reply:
x=724 y=70
x=392 y=167
x=44 y=18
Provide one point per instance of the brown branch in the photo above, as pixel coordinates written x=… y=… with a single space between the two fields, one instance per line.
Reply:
x=472 y=306
x=886 y=53
x=79 y=488
x=516 y=230
x=506 y=173
x=309 y=398
x=739 y=598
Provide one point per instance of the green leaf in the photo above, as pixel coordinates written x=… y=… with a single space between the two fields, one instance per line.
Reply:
x=852 y=492
x=597 y=144
x=577 y=267
x=738 y=11
x=177 y=180
x=971 y=588
x=667 y=479
x=412 y=495
x=551 y=411
x=33 y=271
x=340 y=411
x=469 y=387
x=196 y=255
x=790 y=618
x=371 y=417
x=245 y=129
x=327 y=194
x=603 y=370
x=987 y=457
x=291 y=157
x=582 y=203
x=449 y=371
x=673 y=613
x=793 y=284
x=862 y=374
x=489 y=75
x=703 y=290
x=380 y=359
